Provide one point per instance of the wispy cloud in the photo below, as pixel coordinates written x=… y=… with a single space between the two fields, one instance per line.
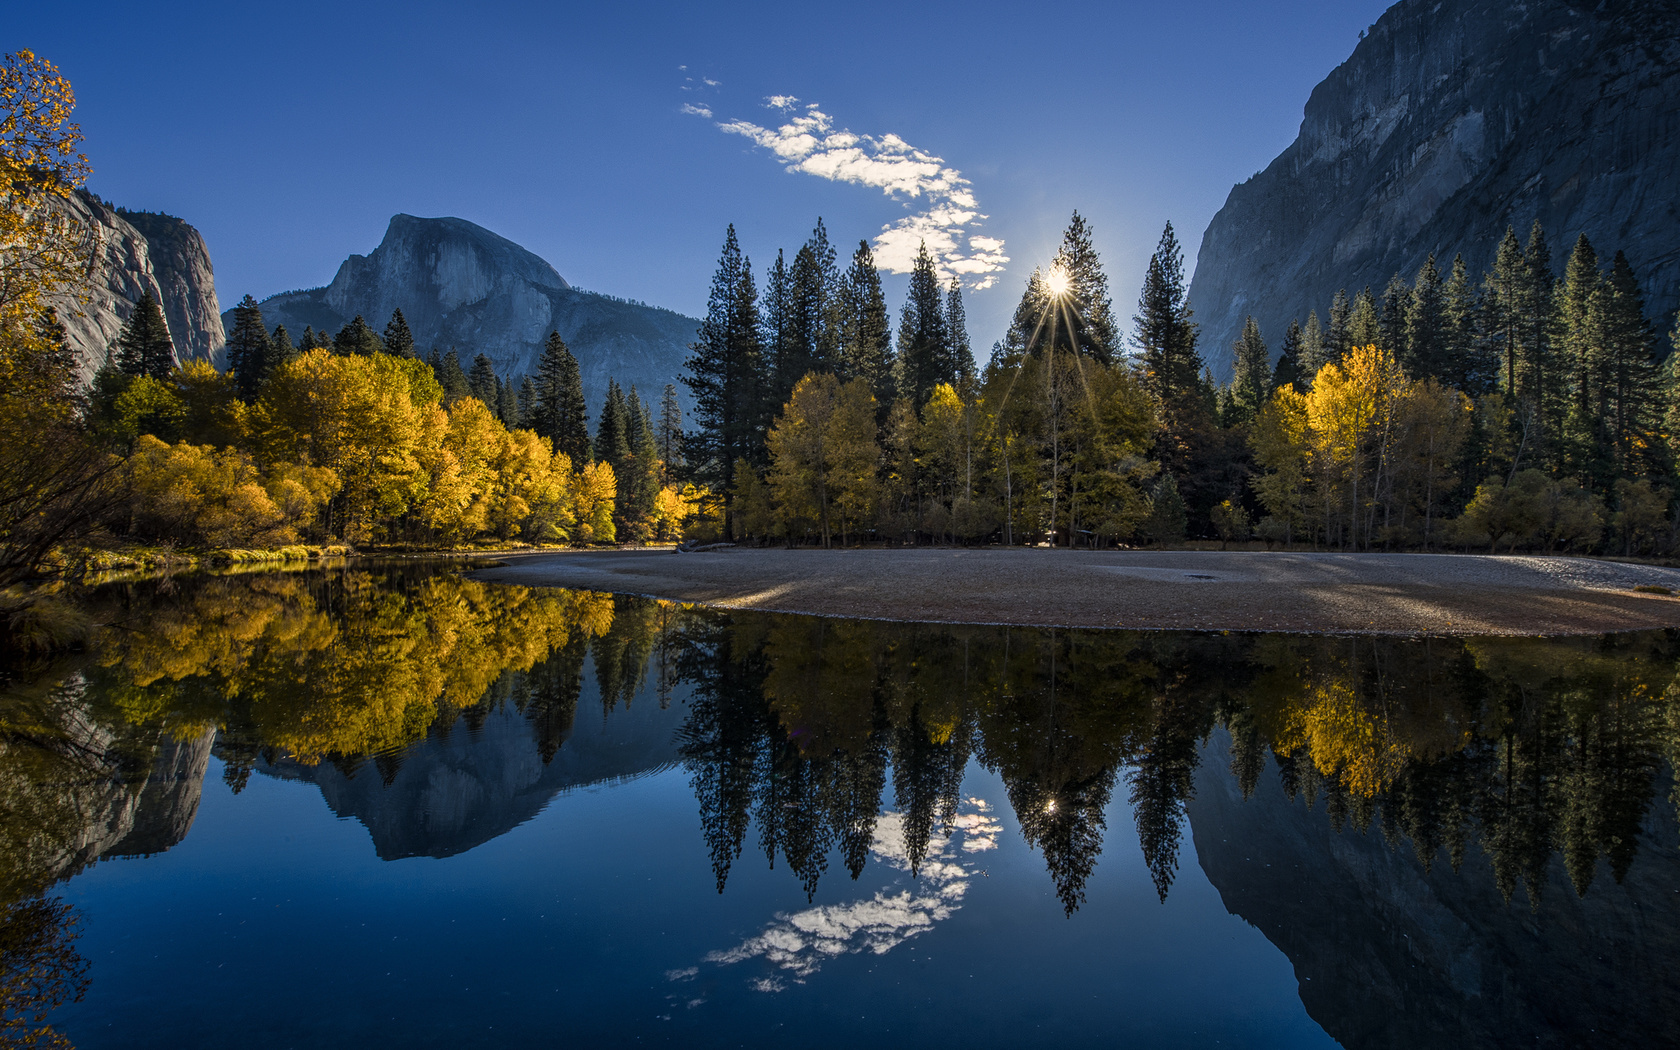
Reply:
x=808 y=141
x=697 y=111
x=796 y=946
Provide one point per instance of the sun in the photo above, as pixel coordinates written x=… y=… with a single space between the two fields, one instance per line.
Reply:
x=1056 y=282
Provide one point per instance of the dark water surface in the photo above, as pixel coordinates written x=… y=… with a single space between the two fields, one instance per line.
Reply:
x=395 y=807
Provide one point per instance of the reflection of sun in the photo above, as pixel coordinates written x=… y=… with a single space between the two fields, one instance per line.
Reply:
x=1056 y=282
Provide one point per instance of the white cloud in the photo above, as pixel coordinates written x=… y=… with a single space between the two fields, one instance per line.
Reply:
x=696 y=111
x=799 y=944
x=810 y=143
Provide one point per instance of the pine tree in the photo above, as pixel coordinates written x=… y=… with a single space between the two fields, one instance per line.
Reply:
x=1466 y=360
x=560 y=413
x=956 y=317
x=357 y=338
x=399 y=341
x=1251 y=383
x=1426 y=325
x=866 y=348
x=1167 y=518
x=507 y=403
x=1577 y=336
x=1090 y=314
x=452 y=379
x=1288 y=371
x=642 y=467
x=776 y=328
x=482 y=381
x=144 y=347
x=612 y=433
x=669 y=433
x=248 y=349
x=924 y=340
x=1165 y=334
x=280 y=349
x=526 y=405
x=1632 y=405
x=1391 y=324
x=1337 y=340
x=312 y=340
x=1364 y=322
x=726 y=376
x=1315 y=348
x=1545 y=380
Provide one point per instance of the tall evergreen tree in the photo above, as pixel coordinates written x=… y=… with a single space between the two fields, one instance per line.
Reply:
x=669 y=433
x=1337 y=340
x=482 y=381
x=1466 y=360
x=452 y=379
x=526 y=405
x=956 y=317
x=924 y=339
x=725 y=373
x=612 y=433
x=248 y=349
x=357 y=337
x=1090 y=313
x=1165 y=334
x=1502 y=308
x=561 y=415
x=312 y=340
x=640 y=489
x=399 y=341
x=777 y=330
x=1426 y=325
x=144 y=347
x=1288 y=370
x=1631 y=373
x=507 y=403
x=280 y=349
x=1315 y=348
x=1364 y=322
x=1391 y=323
x=866 y=348
x=1251 y=383
x=1576 y=320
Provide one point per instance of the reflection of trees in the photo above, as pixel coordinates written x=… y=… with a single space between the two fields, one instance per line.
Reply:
x=1529 y=748
x=40 y=969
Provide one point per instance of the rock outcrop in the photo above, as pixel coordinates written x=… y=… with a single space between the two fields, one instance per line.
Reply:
x=1452 y=120
x=136 y=253
x=1392 y=957
x=462 y=288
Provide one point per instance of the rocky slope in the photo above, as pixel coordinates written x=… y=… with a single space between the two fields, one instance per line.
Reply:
x=463 y=288
x=136 y=253
x=1393 y=957
x=1452 y=120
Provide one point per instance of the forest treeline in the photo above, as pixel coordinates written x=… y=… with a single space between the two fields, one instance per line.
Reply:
x=803 y=728
x=1514 y=410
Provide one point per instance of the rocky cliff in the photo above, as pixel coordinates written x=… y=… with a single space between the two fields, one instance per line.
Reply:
x=1392 y=957
x=136 y=253
x=1452 y=120
x=463 y=288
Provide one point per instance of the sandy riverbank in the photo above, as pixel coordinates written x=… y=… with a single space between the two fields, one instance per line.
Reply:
x=1182 y=590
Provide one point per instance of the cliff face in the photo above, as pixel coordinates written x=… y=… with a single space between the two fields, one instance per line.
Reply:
x=136 y=253
x=463 y=288
x=1452 y=120
x=1393 y=957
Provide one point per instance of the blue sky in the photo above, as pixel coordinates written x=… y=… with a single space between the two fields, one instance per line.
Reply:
x=289 y=134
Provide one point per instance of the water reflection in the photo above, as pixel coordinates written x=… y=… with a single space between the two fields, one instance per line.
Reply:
x=441 y=712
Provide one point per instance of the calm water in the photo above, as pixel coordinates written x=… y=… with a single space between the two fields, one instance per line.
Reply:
x=381 y=807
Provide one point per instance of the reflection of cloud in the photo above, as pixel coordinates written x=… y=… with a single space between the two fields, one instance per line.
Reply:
x=800 y=943
x=809 y=142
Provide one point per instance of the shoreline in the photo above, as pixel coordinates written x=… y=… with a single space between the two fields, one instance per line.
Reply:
x=1249 y=591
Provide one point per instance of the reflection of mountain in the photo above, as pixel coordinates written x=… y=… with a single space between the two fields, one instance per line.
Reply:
x=1392 y=956
x=74 y=790
x=463 y=786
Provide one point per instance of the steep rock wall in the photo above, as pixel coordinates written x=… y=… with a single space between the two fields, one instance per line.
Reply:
x=1452 y=120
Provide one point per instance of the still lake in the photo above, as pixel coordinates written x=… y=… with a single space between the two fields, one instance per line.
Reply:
x=394 y=806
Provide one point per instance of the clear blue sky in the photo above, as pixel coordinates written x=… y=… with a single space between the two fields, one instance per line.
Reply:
x=289 y=134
